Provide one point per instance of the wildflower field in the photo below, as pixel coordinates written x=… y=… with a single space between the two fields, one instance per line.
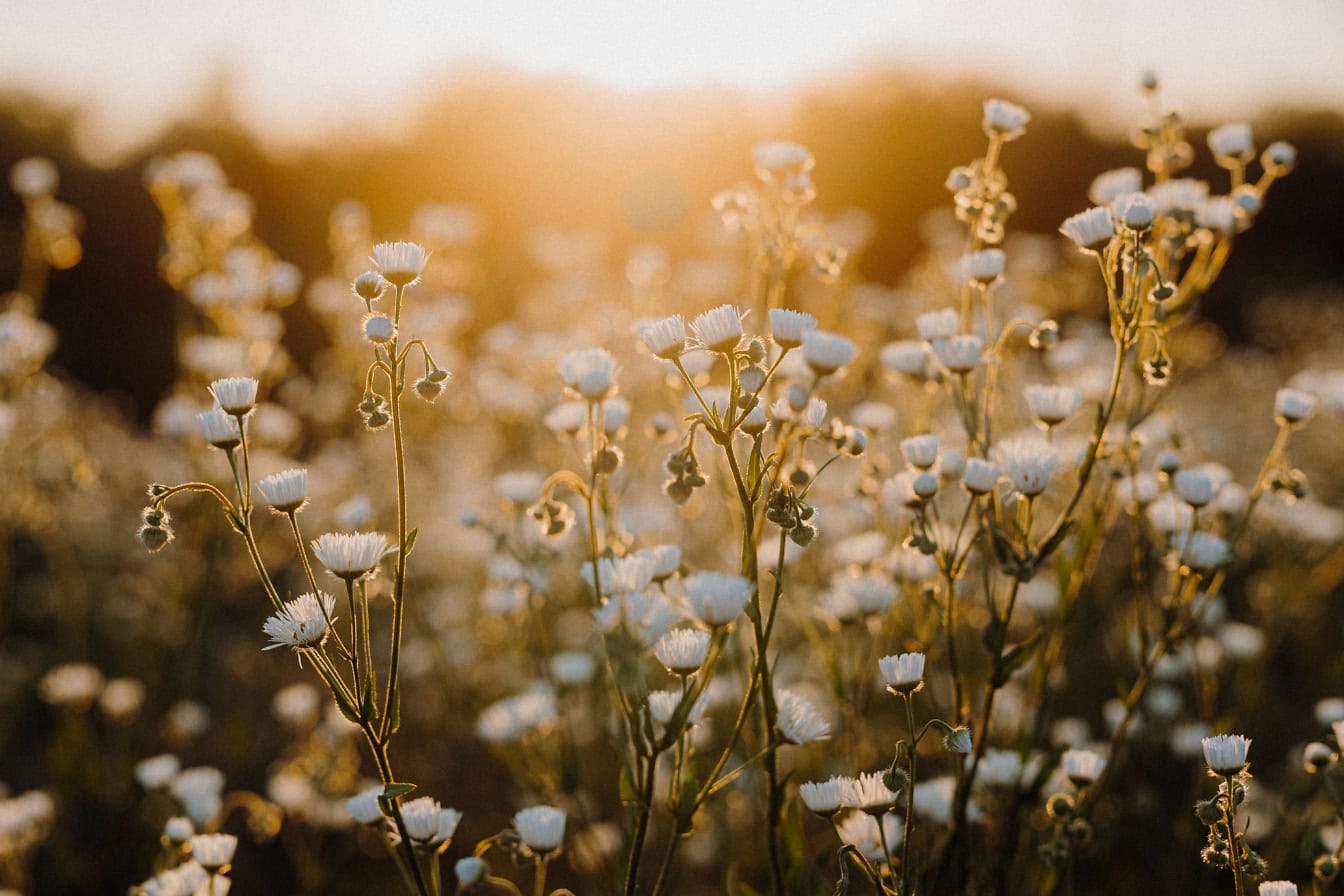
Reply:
x=741 y=549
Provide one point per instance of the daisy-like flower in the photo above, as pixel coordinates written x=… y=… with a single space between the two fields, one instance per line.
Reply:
x=236 y=395
x=1277 y=888
x=1092 y=230
x=868 y=592
x=1082 y=766
x=400 y=263
x=663 y=705
x=590 y=373
x=1052 y=405
x=664 y=560
x=980 y=476
x=755 y=422
x=1232 y=143
x=861 y=830
x=788 y=327
x=960 y=354
x=421 y=818
x=363 y=806
x=157 y=771
x=1180 y=194
x=869 y=793
x=350 y=556
x=213 y=851
x=665 y=337
x=921 y=451
x=935 y=325
x=1226 y=753
x=718 y=329
x=984 y=266
x=905 y=356
x=286 y=491
x=300 y=622
x=1292 y=406
x=1217 y=213
x=1006 y=120
x=220 y=429
x=1029 y=464
x=1110 y=185
x=825 y=798
x=798 y=720
x=716 y=598
x=903 y=673
x=682 y=650
x=1135 y=211
x=542 y=828
x=827 y=352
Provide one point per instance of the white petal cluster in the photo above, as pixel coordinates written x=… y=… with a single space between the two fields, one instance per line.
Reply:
x=220 y=429
x=902 y=672
x=542 y=828
x=960 y=354
x=507 y=720
x=935 y=325
x=1293 y=405
x=788 y=327
x=869 y=793
x=980 y=476
x=984 y=266
x=400 y=263
x=213 y=851
x=1091 y=230
x=363 y=806
x=827 y=352
x=665 y=337
x=905 y=356
x=1052 y=405
x=798 y=720
x=825 y=798
x=428 y=822
x=1028 y=463
x=1111 y=185
x=236 y=395
x=1226 y=753
x=286 y=491
x=921 y=451
x=589 y=373
x=716 y=598
x=718 y=329
x=682 y=650
x=350 y=555
x=300 y=622
x=1232 y=142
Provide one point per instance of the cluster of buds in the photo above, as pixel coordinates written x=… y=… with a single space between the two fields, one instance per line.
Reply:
x=980 y=189
x=156 y=525
x=554 y=517
x=430 y=386
x=791 y=513
x=686 y=474
x=1217 y=850
x=373 y=408
x=1068 y=831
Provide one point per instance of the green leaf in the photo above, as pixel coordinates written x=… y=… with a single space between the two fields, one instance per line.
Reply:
x=394 y=709
x=396 y=789
x=410 y=540
x=629 y=795
x=1014 y=659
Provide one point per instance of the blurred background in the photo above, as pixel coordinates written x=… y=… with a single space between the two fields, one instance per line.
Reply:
x=625 y=119
x=593 y=129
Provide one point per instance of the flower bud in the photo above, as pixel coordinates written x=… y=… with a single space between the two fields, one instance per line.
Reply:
x=369 y=285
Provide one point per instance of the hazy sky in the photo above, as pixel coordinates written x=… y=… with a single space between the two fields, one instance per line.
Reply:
x=300 y=62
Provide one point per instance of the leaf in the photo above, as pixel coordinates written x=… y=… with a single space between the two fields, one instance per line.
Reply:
x=629 y=796
x=395 y=789
x=393 y=721
x=410 y=541
x=992 y=635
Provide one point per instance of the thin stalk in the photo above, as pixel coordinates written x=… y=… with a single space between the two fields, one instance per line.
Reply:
x=392 y=697
x=909 y=795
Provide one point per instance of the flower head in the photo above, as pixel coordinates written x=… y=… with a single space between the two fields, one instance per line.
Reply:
x=1029 y=464
x=1091 y=230
x=364 y=806
x=980 y=476
x=213 y=851
x=870 y=793
x=788 y=328
x=220 y=429
x=350 y=556
x=826 y=797
x=1052 y=405
x=590 y=373
x=903 y=673
x=400 y=263
x=682 y=650
x=286 y=491
x=921 y=451
x=798 y=720
x=1226 y=753
x=300 y=622
x=1232 y=143
x=960 y=354
x=934 y=325
x=427 y=821
x=827 y=352
x=665 y=337
x=1110 y=185
x=542 y=828
x=984 y=266
x=1136 y=211
x=718 y=329
x=1005 y=120
x=1277 y=888
x=237 y=395
x=1292 y=406
x=716 y=598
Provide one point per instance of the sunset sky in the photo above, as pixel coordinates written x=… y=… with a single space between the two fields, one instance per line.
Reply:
x=301 y=64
